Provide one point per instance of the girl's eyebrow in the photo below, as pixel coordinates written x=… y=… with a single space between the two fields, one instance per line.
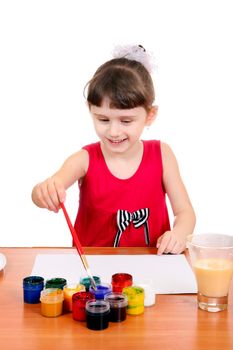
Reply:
x=100 y=115
x=120 y=116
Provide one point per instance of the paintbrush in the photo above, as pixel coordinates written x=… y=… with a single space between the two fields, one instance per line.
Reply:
x=79 y=247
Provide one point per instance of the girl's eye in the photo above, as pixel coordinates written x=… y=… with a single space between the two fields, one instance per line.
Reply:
x=103 y=120
x=126 y=121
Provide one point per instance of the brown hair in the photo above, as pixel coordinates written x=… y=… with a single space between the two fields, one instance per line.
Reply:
x=127 y=84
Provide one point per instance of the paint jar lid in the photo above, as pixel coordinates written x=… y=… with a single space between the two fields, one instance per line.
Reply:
x=83 y=296
x=33 y=282
x=56 y=282
x=120 y=281
x=97 y=307
x=72 y=288
x=116 y=300
x=51 y=295
x=122 y=277
x=85 y=280
x=133 y=292
x=101 y=290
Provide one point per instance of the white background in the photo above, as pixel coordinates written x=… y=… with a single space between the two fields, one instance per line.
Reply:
x=50 y=49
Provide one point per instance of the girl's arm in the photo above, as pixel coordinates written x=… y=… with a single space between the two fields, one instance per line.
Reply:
x=174 y=241
x=49 y=193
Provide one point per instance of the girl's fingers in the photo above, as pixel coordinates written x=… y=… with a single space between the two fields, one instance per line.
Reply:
x=61 y=193
x=47 y=195
x=171 y=245
x=162 y=247
x=53 y=199
x=39 y=193
x=168 y=243
x=176 y=248
x=46 y=198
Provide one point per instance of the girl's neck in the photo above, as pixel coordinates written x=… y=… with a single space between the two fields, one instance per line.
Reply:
x=131 y=153
x=125 y=165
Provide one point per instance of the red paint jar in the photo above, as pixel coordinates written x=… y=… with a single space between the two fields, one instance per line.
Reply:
x=79 y=305
x=120 y=281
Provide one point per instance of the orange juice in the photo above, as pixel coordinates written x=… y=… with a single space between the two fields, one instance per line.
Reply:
x=213 y=276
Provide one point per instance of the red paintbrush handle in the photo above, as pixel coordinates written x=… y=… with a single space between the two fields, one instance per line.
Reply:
x=78 y=245
x=72 y=230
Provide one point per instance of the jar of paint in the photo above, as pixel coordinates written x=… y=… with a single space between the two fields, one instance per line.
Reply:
x=101 y=290
x=79 y=301
x=32 y=286
x=51 y=302
x=87 y=282
x=97 y=313
x=68 y=291
x=120 y=281
x=135 y=296
x=57 y=282
x=118 y=303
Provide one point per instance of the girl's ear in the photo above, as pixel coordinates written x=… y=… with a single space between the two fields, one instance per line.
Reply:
x=151 y=115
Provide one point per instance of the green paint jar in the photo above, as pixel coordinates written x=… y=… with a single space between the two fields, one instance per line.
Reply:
x=87 y=282
x=56 y=283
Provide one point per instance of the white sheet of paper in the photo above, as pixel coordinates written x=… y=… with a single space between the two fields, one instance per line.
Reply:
x=168 y=274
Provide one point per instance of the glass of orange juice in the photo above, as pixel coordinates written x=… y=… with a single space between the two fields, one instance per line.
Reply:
x=211 y=257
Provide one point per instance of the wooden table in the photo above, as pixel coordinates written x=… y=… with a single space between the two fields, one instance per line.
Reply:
x=174 y=322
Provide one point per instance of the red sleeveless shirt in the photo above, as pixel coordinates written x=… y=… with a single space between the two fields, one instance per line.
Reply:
x=127 y=213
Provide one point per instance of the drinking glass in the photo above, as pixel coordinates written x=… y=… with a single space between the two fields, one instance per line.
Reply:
x=211 y=257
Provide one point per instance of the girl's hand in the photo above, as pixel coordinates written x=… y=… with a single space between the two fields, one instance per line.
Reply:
x=170 y=242
x=49 y=194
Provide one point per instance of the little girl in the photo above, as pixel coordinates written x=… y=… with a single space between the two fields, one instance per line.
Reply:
x=123 y=181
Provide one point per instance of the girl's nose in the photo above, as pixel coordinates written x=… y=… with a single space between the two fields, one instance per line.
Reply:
x=114 y=129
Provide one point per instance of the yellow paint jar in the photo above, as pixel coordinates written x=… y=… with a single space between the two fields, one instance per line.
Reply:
x=68 y=291
x=135 y=297
x=51 y=302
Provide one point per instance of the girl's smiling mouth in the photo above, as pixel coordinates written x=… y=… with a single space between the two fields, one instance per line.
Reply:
x=118 y=141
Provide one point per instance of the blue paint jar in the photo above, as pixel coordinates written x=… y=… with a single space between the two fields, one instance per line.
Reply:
x=101 y=290
x=32 y=286
x=97 y=314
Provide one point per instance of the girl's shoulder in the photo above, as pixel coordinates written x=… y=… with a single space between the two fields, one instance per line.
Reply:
x=87 y=154
x=82 y=156
x=158 y=145
x=168 y=157
x=77 y=163
x=161 y=148
x=165 y=148
x=92 y=147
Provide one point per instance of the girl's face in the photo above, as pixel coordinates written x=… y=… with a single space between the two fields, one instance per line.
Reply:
x=120 y=129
